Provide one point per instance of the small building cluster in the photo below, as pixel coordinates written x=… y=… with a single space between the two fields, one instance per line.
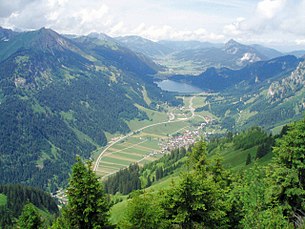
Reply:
x=187 y=138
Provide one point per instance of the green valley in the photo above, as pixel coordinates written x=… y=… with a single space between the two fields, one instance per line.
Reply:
x=149 y=138
x=225 y=151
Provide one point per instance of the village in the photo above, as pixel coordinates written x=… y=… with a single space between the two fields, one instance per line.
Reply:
x=185 y=139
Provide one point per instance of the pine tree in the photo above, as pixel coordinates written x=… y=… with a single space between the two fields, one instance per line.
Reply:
x=29 y=217
x=198 y=200
x=87 y=202
x=144 y=211
x=289 y=166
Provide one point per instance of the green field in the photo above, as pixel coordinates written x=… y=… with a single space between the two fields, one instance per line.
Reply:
x=143 y=146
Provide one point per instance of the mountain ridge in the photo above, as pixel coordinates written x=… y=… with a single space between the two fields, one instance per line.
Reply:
x=59 y=97
x=221 y=78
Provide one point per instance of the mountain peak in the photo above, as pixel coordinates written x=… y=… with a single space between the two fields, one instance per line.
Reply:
x=47 y=40
x=231 y=43
x=6 y=34
x=45 y=32
x=100 y=36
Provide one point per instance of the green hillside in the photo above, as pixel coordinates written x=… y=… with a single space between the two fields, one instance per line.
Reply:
x=193 y=188
x=58 y=99
x=221 y=168
x=162 y=174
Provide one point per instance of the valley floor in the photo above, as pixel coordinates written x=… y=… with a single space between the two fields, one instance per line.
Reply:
x=149 y=140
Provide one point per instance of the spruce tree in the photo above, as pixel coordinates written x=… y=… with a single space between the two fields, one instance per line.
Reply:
x=87 y=202
x=29 y=217
x=198 y=199
x=289 y=166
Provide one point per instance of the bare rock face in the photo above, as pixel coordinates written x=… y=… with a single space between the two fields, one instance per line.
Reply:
x=288 y=86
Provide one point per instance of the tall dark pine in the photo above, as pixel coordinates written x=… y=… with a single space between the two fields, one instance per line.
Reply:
x=87 y=202
x=290 y=169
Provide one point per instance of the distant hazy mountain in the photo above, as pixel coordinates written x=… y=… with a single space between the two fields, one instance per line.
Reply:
x=58 y=98
x=187 y=45
x=222 y=78
x=191 y=57
x=268 y=52
x=145 y=46
x=298 y=53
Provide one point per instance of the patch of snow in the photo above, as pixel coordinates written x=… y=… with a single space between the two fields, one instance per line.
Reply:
x=249 y=57
x=5 y=39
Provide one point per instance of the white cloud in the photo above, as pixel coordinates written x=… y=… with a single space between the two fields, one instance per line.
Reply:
x=272 y=21
x=168 y=32
x=212 y=20
x=270 y=8
x=300 y=41
x=234 y=28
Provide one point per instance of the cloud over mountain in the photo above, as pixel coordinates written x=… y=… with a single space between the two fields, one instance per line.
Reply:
x=247 y=21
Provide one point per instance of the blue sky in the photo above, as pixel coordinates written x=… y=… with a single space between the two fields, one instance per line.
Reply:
x=277 y=23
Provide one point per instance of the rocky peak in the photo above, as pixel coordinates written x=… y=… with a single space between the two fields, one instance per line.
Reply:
x=289 y=85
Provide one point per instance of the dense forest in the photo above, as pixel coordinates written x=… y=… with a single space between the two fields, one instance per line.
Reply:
x=15 y=197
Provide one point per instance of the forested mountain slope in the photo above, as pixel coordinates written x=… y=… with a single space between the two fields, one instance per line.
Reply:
x=59 y=96
x=271 y=103
x=219 y=79
x=17 y=196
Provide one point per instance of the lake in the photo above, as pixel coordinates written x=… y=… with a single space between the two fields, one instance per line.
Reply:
x=173 y=86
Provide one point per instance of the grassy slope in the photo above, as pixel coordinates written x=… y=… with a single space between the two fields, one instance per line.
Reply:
x=235 y=159
x=232 y=159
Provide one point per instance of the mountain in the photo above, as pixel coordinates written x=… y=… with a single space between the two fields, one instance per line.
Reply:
x=288 y=86
x=218 y=79
x=147 y=47
x=58 y=98
x=117 y=50
x=277 y=103
x=268 y=52
x=193 y=57
x=298 y=53
x=232 y=55
x=6 y=34
x=187 y=45
x=271 y=103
